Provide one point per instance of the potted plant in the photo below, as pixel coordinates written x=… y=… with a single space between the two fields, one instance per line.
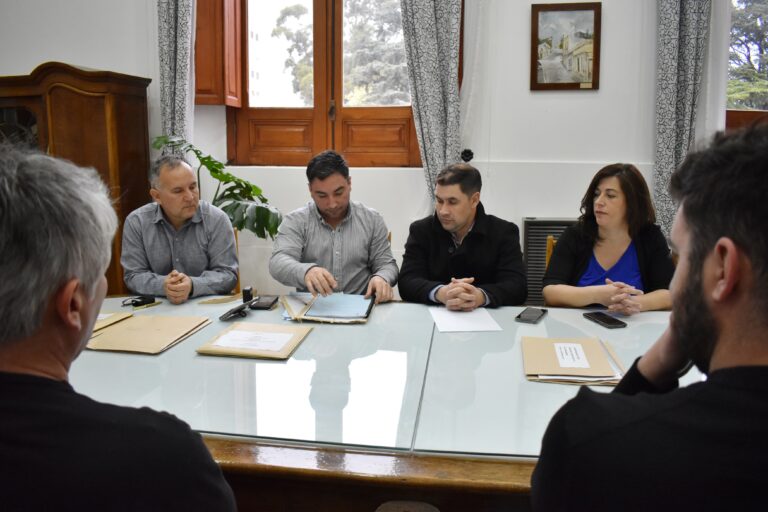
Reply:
x=243 y=201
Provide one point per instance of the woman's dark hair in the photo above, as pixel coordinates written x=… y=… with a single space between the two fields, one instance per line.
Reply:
x=640 y=210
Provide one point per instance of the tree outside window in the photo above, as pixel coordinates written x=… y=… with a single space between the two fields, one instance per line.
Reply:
x=748 y=60
x=325 y=74
x=375 y=72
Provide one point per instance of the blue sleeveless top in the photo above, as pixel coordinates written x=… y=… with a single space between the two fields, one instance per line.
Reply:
x=626 y=270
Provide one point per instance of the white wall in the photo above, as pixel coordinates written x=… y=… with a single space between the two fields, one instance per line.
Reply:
x=540 y=148
x=112 y=35
x=536 y=150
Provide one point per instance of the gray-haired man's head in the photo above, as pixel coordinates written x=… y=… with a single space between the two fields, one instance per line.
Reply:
x=56 y=224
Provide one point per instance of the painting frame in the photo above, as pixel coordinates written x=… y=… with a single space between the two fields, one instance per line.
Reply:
x=551 y=68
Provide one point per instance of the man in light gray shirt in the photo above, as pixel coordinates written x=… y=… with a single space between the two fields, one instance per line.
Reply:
x=178 y=246
x=332 y=244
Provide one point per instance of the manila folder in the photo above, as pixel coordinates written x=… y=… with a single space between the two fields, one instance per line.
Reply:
x=570 y=361
x=147 y=334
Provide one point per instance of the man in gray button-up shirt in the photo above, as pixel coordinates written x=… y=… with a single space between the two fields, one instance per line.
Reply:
x=178 y=246
x=332 y=244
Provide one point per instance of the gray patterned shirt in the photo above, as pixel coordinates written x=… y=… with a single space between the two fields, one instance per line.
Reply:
x=204 y=249
x=354 y=252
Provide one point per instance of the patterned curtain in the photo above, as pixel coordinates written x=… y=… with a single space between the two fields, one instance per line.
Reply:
x=176 y=43
x=683 y=29
x=431 y=29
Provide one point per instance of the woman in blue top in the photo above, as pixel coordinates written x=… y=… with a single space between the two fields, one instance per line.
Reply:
x=615 y=255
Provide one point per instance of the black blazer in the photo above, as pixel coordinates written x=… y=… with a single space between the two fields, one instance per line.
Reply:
x=490 y=253
x=573 y=251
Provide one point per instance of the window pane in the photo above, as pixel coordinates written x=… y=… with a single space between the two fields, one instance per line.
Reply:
x=375 y=71
x=748 y=69
x=280 y=56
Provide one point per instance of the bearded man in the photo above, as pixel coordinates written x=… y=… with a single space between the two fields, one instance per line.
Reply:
x=650 y=445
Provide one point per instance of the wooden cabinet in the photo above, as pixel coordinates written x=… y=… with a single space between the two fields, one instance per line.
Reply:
x=218 y=53
x=93 y=118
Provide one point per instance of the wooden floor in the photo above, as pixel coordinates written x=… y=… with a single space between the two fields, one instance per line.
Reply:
x=273 y=477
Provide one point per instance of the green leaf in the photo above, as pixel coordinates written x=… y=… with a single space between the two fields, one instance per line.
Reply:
x=239 y=215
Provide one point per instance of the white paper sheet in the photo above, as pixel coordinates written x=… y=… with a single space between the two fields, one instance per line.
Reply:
x=571 y=355
x=103 y=316
x=340 y=305
x=463 y=321
x=254 y=340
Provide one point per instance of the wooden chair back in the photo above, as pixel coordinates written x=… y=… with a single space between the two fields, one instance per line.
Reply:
x=236 y=290
x=551 y=242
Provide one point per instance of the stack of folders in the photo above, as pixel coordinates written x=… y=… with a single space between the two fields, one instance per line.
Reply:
x=337 y=308
x=123 y=332
x=583 y=361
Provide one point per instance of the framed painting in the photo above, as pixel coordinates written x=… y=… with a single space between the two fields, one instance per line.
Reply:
x=565 y=46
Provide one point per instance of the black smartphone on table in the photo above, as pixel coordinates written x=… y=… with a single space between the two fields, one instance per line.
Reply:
x=531 y=315
x=264 y=302
x=235 y=312
x=604 y=319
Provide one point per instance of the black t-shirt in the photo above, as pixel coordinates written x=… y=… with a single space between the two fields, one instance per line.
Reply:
x=60 y=450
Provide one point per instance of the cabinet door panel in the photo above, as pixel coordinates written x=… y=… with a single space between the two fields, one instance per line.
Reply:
x=78 y=129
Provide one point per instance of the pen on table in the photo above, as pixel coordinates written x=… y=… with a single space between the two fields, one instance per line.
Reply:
x=136 y=308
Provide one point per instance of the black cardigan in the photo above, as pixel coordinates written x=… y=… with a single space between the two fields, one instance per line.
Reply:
x=574 y=249
x=490 y=253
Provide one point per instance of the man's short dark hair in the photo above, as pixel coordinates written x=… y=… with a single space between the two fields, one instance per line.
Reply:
x=723 y=190
x=171 y=161
x=326 y=163
x=464 y=175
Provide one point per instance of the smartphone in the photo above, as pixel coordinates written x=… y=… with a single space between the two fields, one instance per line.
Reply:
x=237 y=311
x=604 y=319
x=264 y=302
x=531 y=315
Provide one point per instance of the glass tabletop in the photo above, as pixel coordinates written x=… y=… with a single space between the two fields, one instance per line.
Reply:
x=393 y=383
x=477 y=399
x=350 y=384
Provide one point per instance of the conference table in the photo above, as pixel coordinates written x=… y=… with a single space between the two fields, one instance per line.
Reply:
x=362 y=413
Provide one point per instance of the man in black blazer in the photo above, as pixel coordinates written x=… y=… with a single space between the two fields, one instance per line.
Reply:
x=649 y=445
x=461 y=256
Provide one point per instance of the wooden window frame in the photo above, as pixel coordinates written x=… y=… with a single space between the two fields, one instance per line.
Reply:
x=218 y=79
x=366 y=136
x=735 y=119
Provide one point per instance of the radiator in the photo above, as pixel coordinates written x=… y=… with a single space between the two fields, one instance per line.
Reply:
x=535 y=231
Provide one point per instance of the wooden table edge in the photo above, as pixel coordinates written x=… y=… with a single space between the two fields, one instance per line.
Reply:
x=418 y=470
